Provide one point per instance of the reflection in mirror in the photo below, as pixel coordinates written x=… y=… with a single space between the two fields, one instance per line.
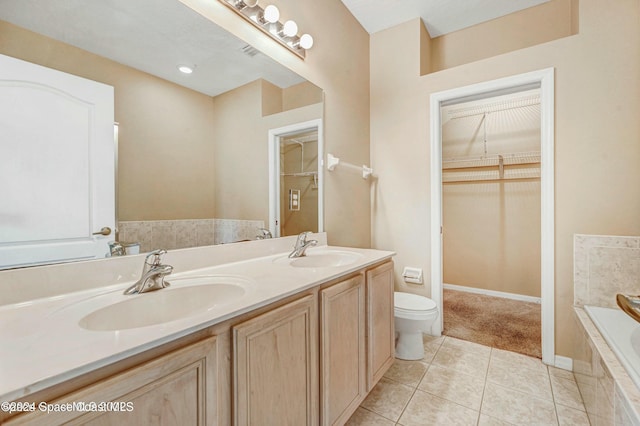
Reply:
x=192 y=149
x=299 y=183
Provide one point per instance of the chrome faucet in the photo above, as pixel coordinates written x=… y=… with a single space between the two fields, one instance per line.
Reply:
x=116 y=249
x=264 y=234
x=302 y=245
x=153 y=273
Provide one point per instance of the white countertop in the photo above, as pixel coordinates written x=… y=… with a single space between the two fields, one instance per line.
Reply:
x=43 y=344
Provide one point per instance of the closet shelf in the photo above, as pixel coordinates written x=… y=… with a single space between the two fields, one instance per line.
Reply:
x=532 y=157
x=300 y=174
x=516 y=166
x=491 y=175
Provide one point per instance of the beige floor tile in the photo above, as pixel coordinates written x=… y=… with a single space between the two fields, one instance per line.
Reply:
x=461 y=360
x=431 y=345
x=388 y=398
x=432 y=340
x=517 y=407
x=407 y=372
x=571 y=417
x=452 y=342
x=533 y=382
x=491 y=421
x=566 y=392
x=425 y=409
x=522 y=361
x=364 y=417
x=454 y=386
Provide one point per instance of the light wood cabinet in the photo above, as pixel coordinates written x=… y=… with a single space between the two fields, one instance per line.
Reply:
x=380 y=325
x=179 y=388
x=342 y=354
x=276 y=366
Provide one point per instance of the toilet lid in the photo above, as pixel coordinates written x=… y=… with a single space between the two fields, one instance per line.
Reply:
x=412 y=302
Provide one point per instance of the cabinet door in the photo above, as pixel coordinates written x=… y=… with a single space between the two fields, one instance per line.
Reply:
x=342 y=340
x=276 y=366
x=175 y=389
x=380 y=326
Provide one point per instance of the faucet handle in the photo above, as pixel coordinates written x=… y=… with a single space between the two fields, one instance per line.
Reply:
x=156 y=254
x=303 y=235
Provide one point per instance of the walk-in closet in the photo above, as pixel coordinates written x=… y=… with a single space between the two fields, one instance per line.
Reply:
x=491 y=221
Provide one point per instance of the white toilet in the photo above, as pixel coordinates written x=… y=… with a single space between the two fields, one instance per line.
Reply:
x=414 y=315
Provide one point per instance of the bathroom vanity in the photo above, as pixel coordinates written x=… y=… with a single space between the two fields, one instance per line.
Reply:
x=303 y=343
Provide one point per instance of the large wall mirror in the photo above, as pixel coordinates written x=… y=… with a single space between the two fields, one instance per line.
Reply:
x=192 y=163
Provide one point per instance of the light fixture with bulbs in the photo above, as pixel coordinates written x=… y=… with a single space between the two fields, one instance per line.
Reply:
x=267 y=19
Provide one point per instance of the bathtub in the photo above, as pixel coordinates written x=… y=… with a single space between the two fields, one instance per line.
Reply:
x=622 y=333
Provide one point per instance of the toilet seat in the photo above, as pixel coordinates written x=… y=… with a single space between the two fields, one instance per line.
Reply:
x=413 y=306
x=412 y=302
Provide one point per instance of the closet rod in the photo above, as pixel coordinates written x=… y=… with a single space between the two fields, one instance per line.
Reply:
x=300 y=174
x=514 y=159
x=491 y=175
x=510 y=179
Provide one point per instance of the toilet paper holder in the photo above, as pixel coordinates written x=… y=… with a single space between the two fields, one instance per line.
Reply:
x=412 y=275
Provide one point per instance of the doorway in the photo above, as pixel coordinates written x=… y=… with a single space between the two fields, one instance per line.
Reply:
x=296 y=179
x=542 y=80
x=491 y=221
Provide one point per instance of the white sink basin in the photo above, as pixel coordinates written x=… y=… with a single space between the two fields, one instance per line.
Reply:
x=183 y=298
x=323 y=259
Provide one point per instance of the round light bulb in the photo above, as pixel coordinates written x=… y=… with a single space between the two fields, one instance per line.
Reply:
x=271 y=14
x=185 y=69
x=290 y=28
x=306 y=41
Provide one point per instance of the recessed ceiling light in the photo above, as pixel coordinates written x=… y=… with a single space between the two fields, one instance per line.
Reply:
x=185 y=69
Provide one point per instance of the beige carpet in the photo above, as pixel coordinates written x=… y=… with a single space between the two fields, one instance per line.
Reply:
x=493 y=321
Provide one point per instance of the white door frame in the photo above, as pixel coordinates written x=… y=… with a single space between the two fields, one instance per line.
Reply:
x=274 y=171
x=545 y=80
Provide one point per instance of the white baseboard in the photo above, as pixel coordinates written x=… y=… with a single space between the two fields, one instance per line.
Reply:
x=495 y=293
x=564 y=362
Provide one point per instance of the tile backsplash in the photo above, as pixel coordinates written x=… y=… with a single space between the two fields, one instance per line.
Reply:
x=604 y=266
x=177 y=234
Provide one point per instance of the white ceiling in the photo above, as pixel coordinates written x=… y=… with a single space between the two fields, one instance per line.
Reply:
x=153 y=36
x=157 y=35
x=439 y=16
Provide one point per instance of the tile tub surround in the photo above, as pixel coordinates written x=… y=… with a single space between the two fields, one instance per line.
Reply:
x=176 y=234
x=604 y=266
x=43 y=344
x=465 y=383
x=609 y=394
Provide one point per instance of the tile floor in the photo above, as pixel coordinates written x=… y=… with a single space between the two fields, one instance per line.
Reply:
x=465 y=383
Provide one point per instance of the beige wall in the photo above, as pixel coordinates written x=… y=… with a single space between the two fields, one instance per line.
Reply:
x=540 y=24
x=242 y=178
x=165 y=149
x=597 y=133
x=339 y=64
x=301 y=94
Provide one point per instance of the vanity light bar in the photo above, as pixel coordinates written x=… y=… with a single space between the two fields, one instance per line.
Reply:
x=268 y=20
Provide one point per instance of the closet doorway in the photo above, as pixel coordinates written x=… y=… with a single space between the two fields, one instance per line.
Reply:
x=472 y=176
x=491 y=221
